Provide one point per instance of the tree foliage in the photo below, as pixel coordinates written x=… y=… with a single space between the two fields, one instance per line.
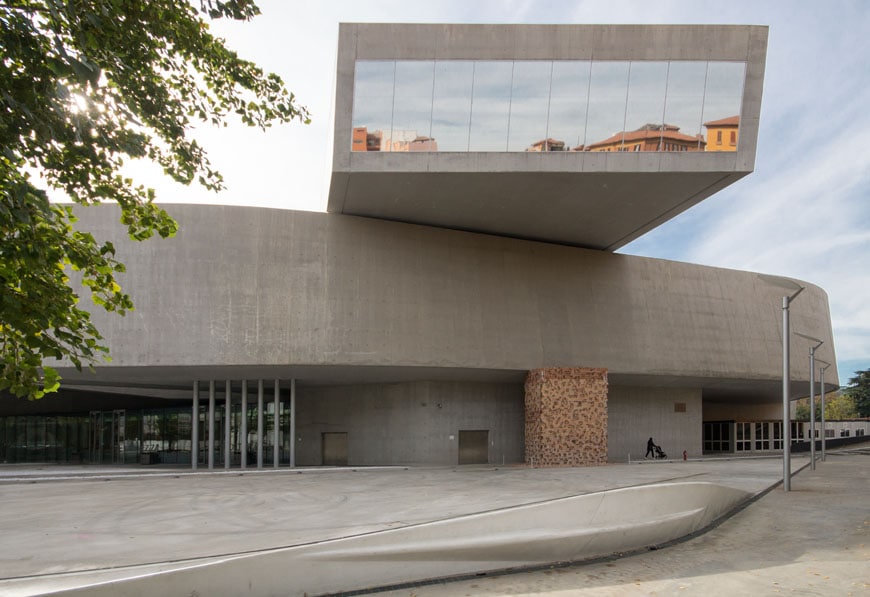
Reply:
x=86 y=86
x=838 y=407
x=859 y=390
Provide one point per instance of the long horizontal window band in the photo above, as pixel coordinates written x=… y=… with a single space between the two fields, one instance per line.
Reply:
x=545 y=106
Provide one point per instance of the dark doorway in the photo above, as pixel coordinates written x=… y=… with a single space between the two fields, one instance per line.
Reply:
x=474 y=447
x=334 y=449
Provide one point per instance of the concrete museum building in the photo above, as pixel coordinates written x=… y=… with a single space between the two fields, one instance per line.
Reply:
x=461 y=301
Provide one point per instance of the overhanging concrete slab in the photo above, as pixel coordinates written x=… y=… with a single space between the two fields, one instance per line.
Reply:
x=597 y=200
x=595 y=210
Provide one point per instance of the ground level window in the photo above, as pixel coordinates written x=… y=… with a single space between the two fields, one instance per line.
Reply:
x=777 y=435
x=743 y=442
x=762 y=436
x=717 y=437
x=797 y=432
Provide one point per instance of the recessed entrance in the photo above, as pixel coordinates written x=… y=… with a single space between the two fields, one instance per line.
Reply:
x=334 y=446
x=474 y=447
x=106 y=437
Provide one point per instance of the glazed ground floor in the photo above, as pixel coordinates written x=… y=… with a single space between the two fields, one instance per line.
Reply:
x=261 y=423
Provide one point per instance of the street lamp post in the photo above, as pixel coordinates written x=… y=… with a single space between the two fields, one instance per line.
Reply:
x=812 y=396
x=786 y=423
x=822 y=392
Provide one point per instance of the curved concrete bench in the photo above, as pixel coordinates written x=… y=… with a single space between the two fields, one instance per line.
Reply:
x=560 y=530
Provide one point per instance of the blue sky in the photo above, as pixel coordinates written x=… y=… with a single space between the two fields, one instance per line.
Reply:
x=803 y=213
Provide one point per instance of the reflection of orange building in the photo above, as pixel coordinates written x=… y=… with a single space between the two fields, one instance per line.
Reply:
x=650 y=137
x=722 y=134
x=363 y=140
x=547 y=145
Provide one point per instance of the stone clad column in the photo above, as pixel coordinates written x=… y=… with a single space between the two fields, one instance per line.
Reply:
x=566 y=416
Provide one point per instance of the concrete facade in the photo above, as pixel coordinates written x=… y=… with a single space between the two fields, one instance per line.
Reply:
x=671 y=416
x=401 y=340
x=380 y=322
x=410 y=423
x=334 y=299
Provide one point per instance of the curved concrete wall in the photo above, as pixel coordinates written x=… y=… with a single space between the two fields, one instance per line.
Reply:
x=251 y=286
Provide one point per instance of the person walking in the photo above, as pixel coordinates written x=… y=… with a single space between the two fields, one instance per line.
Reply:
x=650 y=448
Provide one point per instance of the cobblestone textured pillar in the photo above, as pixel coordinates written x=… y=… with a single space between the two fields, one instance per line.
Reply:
x=566 y=416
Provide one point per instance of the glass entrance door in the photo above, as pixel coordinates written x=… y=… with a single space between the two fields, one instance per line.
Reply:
x=116 y=436
x=106 y=437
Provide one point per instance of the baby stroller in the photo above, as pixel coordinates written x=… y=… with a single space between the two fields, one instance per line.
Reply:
x=659 y=453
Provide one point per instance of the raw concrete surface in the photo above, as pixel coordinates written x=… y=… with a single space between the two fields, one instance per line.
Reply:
x=63 y=519
x=810 y=541
x=381 y=302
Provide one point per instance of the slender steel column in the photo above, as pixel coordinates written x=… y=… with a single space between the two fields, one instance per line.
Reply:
x=786 y=422
x=243 y=434
x=276 y=426
x=259 y=423
x=211 y=424
x=292 y=422
x=822 y=392
x=812 y=409
x=786 y=337
x=228 y=420
x=786 y=415
x=812 y=396
x=194 y=428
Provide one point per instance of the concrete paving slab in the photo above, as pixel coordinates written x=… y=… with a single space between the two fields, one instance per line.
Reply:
x=115 y=518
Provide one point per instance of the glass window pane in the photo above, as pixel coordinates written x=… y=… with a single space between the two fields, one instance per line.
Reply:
x=528 y=110
x=722 y=102
x=412 y=106
x=51 y=441
x=685 y=98
x=607 y=98
x=569 y=93
x=451 y=107
x=644 y=113
x=372 y=103
x=490 y=108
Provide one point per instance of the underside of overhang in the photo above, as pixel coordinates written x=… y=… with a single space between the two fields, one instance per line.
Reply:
x=595 y=210
x=176 y=383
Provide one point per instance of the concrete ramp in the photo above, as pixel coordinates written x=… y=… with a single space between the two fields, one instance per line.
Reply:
x=566 y=529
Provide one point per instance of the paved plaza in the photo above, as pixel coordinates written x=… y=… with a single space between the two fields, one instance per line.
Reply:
x=65 y=519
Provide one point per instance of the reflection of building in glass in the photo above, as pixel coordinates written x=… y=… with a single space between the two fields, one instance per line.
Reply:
x=421 y=143
x=547 y=145
x=722 y=134
x=501 y=105
x=650 y=137
x=366 y=141
x=399 y=141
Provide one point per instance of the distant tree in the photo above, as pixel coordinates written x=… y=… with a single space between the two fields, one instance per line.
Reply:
x=86 y=85
x=859 y=390
x=838 y=406
x=802 y=410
